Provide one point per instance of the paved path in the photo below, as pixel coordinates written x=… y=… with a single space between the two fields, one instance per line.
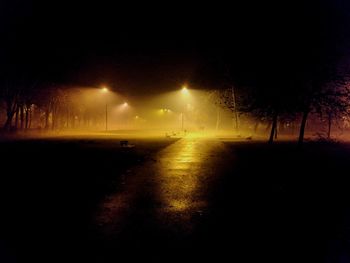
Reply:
x=164 y=197
x=178 y=176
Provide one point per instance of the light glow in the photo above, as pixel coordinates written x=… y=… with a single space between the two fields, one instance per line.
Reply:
x=184 y=90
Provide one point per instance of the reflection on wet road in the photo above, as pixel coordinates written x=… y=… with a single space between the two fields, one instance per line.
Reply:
x=181 y=171
x=171 y=188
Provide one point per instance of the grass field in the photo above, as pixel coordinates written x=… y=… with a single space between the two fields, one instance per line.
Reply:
x=50 y=188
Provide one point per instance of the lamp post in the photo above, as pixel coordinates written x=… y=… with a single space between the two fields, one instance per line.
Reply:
x=125 y=117
x=105 y=90
x=184 y=92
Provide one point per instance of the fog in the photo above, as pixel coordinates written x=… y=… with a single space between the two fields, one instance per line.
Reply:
x=87 y=109
x=101 y=111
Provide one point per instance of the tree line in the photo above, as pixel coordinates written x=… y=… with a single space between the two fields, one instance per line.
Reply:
x=46 y=106
x=288 y=65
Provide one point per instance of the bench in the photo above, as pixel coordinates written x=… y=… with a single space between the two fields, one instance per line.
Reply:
x=125 y=144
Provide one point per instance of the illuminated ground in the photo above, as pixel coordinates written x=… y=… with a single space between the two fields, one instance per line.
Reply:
x=184 y=199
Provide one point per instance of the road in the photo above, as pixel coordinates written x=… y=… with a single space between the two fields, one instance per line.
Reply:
x=162 y=202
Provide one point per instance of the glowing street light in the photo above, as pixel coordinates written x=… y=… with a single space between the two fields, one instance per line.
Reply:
x=165 y=110
x=184 y=90
x=105 y=90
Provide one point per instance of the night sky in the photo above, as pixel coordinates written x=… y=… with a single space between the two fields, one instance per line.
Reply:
x=152 y=47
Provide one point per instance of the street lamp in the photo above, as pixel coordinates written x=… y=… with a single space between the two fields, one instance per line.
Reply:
x=185 y=93
x=105 y=90
x=184 y=90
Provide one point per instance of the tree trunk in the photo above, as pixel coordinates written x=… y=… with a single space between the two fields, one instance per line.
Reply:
x=21 y=108
x=47 y=113
x=273 y=128
x=217 y=118
x=11 y=107
x=329 y=126
x=16 y=118
x=234 y=107
x=8 y=123
x=27 y=118
x=54 y=117
x=302 y=127
x=30 y=119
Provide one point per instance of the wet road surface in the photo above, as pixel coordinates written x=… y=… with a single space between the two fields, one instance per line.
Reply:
x=160 y=203
x=203 y=200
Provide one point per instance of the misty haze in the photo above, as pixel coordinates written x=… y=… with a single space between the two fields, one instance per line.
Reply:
x=183 y=132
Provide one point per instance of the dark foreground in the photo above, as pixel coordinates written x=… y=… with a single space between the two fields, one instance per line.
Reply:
x=173 y=200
